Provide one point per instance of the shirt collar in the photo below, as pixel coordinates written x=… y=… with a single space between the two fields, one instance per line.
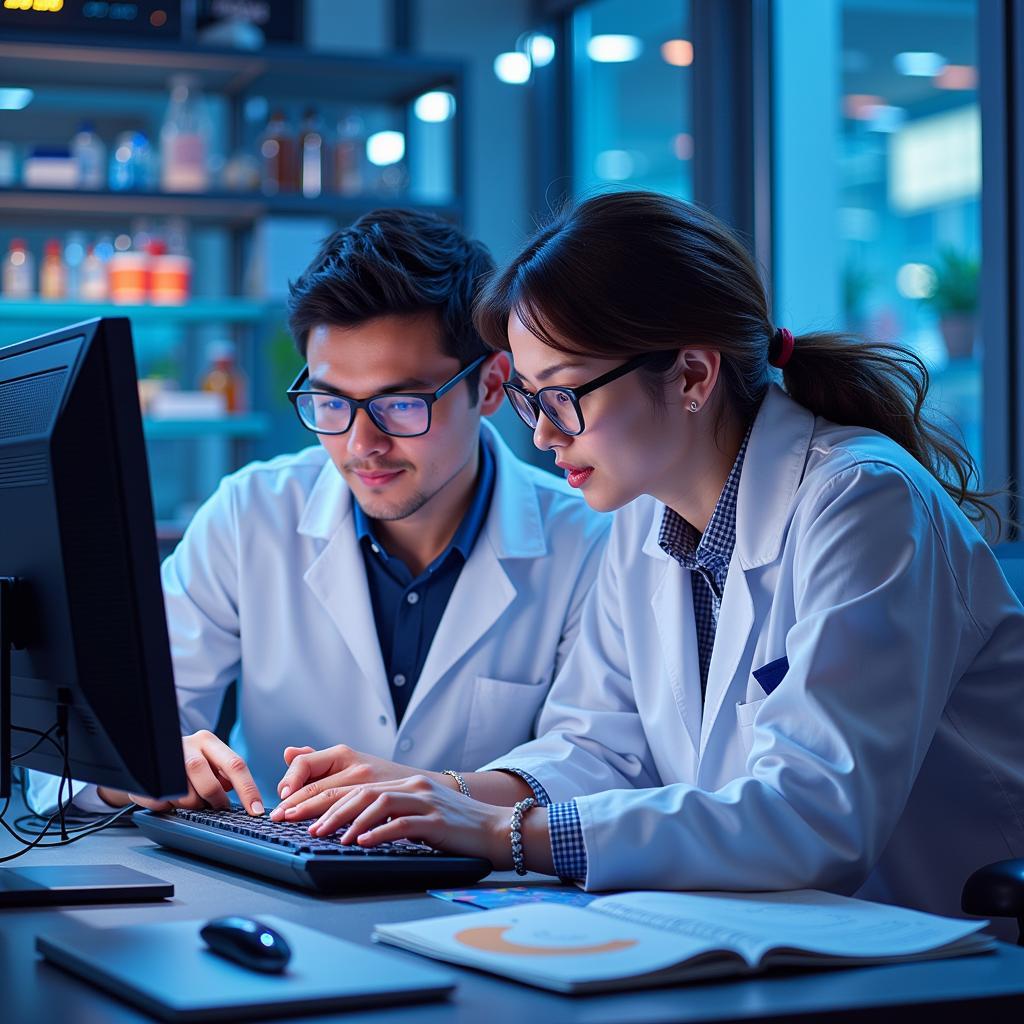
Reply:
x=470 y=526
x=712 y=549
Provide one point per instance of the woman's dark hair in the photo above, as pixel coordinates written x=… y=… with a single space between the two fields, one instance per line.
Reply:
x=625 y=273
x=394 y=262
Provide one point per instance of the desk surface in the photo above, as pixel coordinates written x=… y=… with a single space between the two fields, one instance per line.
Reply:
x=37 y=991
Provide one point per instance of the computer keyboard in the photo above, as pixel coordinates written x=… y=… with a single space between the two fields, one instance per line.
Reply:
x=286 y=852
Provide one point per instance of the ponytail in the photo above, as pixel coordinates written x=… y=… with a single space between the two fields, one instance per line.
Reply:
x=855 y=382
x=623 y=274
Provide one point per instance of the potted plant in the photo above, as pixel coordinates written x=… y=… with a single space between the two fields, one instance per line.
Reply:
x=955 y=300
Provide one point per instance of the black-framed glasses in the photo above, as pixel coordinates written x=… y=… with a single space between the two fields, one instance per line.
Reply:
x=400 y=415
x=562 y=405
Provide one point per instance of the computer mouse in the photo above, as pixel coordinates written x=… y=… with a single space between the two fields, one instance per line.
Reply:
x=247 y=942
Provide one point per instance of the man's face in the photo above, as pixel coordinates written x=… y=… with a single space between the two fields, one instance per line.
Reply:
x=393 y=477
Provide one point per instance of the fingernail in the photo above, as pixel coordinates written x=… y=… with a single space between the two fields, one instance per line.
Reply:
x=285 y=792
x=290 y=811
x=257 y=807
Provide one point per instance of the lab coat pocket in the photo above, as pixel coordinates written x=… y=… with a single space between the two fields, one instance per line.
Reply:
x=745 y=713
x=501 y=716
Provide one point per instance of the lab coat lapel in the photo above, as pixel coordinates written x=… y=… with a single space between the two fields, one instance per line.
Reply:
x=337 y=576
x=672 y=608
x=733 y=637
x=772 y=471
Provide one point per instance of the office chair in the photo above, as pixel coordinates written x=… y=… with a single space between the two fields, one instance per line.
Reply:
x=997 y=890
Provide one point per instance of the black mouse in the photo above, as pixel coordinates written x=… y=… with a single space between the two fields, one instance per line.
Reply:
x=247 y=942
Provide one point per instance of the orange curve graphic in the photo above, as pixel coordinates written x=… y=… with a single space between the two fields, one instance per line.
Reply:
x=491 y=939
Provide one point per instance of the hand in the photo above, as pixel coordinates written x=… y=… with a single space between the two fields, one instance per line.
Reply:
x=316 y=778
x=213 y=769
x=423 y=810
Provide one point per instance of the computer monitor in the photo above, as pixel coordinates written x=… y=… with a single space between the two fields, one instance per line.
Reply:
x=85 y=655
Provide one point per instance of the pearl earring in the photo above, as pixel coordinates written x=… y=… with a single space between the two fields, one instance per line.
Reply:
x=693 y=407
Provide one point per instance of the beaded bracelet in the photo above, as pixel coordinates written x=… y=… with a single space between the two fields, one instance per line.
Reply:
x=463 y=788
x=516 y=833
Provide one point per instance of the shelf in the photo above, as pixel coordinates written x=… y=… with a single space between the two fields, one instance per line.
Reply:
x=283 y=72
x=54 y=205
x=252 y=424
x=222 y=311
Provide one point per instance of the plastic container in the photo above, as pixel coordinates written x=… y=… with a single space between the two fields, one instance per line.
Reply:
x=170 y=276
x=94 y=285
x=90 y=155
x=128 y=275
x=131 y=163
x=19 y=271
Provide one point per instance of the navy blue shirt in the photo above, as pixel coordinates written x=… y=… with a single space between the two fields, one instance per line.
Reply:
x=408 y=611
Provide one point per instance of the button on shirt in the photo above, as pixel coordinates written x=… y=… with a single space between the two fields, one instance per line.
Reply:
x=407 y=611
x=707 y=556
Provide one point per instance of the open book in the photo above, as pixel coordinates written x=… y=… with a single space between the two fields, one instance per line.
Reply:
x=655 y=938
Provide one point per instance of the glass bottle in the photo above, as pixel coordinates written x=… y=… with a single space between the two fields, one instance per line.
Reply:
x=349 y=155
x=225 y=378
x=280 y=156
x=19 y=273
x=185 y=139
x=52 y=277
x=314 y=154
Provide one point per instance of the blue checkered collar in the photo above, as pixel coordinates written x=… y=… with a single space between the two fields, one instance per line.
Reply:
x=711 y=550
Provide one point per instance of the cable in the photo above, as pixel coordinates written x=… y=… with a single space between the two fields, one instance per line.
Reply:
x=67 y=836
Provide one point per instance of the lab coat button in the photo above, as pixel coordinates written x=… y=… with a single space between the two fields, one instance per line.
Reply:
x=412 y=597
x=405 y=744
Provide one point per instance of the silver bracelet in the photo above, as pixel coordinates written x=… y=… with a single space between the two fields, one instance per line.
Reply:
x=516 y=833
x=457 y=776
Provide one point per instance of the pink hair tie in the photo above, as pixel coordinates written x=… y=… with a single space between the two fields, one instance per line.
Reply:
x=781 y=347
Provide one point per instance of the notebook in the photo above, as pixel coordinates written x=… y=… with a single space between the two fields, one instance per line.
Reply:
x=638 y=939
x=166 y=969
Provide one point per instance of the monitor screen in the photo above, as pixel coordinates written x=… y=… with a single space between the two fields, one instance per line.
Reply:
x=91 y=661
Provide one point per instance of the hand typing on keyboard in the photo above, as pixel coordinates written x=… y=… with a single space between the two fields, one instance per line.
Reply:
x=213 y=771
x=315 y=779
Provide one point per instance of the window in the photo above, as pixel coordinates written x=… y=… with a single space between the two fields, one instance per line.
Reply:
x=878 y=183
x=632 y=81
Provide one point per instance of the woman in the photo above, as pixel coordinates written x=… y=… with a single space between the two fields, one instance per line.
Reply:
x=801 y=665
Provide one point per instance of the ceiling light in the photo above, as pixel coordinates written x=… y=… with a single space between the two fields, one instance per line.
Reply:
x=677 y=52
x=919 y=65
x=614 y=49
x=435 y=107
x=513 y=68
x=384 y=148
x=14 y=98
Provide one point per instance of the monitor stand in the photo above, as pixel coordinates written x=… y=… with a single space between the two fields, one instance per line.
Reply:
x=55 y=884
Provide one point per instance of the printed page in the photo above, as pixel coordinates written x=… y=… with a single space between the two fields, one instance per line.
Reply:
x=806 y=919
x=553 y=946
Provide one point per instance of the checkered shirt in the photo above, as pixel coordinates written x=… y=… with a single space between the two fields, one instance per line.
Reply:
x=707 y=556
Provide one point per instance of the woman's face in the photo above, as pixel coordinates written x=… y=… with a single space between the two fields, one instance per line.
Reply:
x=630 y=445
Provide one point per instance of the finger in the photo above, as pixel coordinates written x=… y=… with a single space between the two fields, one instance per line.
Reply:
x=311 y=807
x=410 y=827
x=344 y=811
x=203 y=783
x=387 y=805
x=290 y=753
x=314 y=764
x=149 y=802
x=231 y=765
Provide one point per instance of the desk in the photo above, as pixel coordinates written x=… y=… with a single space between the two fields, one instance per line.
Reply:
x=989 y=988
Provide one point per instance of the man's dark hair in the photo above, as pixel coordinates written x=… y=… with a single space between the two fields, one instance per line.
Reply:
x=394 y=262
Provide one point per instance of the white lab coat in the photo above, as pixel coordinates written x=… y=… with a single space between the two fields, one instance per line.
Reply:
x=888 y=762
x=268 y=585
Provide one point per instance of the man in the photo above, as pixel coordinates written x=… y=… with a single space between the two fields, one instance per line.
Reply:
x=408 y=585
